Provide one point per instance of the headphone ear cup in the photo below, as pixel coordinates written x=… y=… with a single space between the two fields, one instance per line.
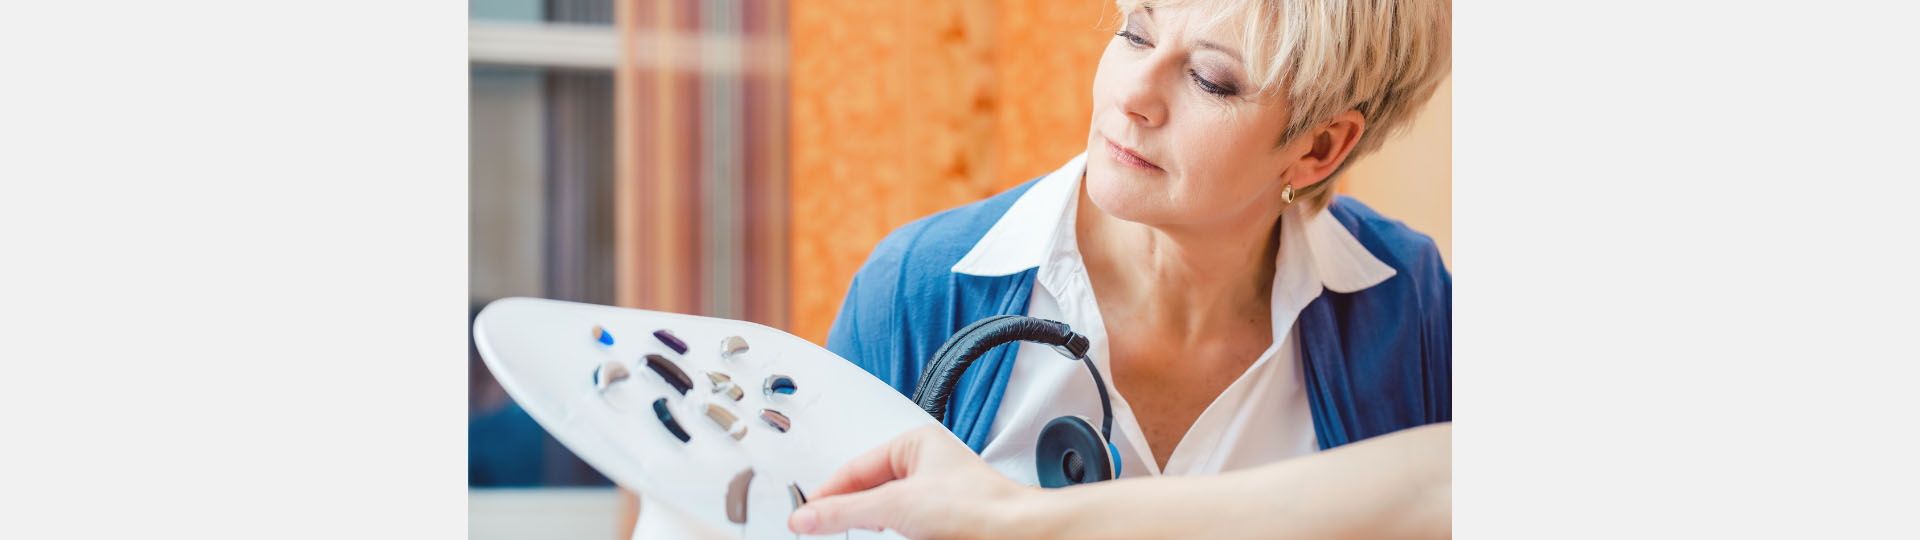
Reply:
x=1071 y=451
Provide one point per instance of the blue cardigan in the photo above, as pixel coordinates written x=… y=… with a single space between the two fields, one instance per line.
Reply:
x=1375 y=361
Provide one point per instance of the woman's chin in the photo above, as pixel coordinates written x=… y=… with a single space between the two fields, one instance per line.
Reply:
x=1128 y=199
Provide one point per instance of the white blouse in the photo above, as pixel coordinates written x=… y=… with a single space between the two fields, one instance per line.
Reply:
x=1260 y=418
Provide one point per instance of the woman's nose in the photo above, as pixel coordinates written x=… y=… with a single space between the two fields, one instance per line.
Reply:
x=1139 y=95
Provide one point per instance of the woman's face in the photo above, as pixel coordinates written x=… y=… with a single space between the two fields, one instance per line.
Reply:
x=1178 y=137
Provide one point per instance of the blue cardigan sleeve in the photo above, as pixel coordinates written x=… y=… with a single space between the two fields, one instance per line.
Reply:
x=842 y=338
x=862 y=333
x=869 y=331
x=1380 y=360
x=905 y=301
x=1436 y=338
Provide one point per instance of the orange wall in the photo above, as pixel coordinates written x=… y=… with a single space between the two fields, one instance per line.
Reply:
x=903 y=109
x=1411 y=178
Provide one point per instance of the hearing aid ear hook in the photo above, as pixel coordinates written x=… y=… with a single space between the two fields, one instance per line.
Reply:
x=737 y=496
x=723 y=384
x=733 y=347
x=779 y=422
x=609 y=372
x=672 y=373
x=778 y=386
x=665 y=413
x=798 y=497
x=727 y=421
x=674 y=342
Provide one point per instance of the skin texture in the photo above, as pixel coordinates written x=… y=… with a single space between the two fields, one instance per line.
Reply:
x=927 y=485
x=1181 y=252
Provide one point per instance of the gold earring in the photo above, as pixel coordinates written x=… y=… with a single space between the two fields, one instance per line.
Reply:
x=1286 y=193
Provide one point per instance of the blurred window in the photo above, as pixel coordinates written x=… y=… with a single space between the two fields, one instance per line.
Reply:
x=543 y=160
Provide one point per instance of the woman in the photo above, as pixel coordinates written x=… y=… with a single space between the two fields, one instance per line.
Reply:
x=1243 y=313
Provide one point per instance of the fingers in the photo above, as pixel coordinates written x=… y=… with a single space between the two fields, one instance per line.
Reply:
x=874 y=509
x=885 y=463
x=864 y=493
x=872 y=468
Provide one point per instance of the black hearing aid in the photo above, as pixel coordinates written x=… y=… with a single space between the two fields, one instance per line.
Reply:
x=1070 y=451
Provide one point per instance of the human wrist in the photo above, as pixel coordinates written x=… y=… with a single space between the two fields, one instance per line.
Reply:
x=1024 y=512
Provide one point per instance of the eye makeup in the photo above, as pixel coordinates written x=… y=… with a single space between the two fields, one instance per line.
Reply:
x=1225 y=87
x=1212 y=82
x=1135 y=32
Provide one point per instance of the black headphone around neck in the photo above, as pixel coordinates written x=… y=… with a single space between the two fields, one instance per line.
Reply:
x=1070 y=451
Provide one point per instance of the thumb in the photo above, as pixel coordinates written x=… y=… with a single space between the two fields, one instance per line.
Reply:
x=873 y=509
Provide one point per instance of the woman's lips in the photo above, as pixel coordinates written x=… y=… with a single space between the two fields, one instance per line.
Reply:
x=1123 y=155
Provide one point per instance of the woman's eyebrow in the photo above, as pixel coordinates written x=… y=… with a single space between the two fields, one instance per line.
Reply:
x=1235 y=54
x=1215 y=46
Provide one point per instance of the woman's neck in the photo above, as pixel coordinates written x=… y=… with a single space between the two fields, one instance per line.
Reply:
x=1191 y=283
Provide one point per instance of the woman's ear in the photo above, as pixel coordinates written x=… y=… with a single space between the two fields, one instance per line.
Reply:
x=1328 y=147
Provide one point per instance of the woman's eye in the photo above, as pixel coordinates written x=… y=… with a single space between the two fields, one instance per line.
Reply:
x=1132 y=38
x=1210 y=87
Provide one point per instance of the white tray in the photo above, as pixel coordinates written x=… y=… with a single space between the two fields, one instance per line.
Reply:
x=544 y=353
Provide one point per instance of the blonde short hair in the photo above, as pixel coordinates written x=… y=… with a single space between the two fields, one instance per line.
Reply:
x=1380 y=57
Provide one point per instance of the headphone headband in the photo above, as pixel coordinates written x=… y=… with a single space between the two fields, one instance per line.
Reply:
x=949 y=363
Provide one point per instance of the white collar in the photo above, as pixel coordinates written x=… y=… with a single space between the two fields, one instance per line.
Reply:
x=1023 y=237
